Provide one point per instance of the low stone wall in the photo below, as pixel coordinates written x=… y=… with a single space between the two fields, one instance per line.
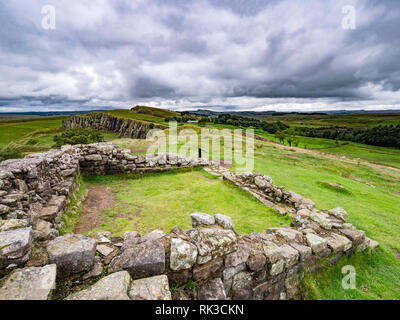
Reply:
x=217 y=262
x=261 y=187
x=34 y=190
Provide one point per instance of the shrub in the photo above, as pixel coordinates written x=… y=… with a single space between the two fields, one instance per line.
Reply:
x=10 y=152
x=32 y=142
x=77 y=136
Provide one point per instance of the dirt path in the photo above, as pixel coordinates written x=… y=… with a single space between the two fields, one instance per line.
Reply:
x=138 y=150
x=99 y=198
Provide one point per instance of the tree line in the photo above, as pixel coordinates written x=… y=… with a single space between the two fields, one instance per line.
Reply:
x=383 y=136
x=238 y=121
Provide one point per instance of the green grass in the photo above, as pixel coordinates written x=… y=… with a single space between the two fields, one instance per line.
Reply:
x=372 y=209
x=306 y=142
x=385 y=156
x=157 y=112
x=74 y=209
x=128 y=114
x=376 y=278
x=13 y=117
x=186 y=139
x=137 y=146
x=167 y=199
x=35 y=134
x=375 y=210
x=144 y=114
x=343 y=120
x=14 y=131
x=161 y=201
x=334 y=188
x=121 y=113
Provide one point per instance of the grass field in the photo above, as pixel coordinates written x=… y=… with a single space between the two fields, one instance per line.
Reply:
x=16 y=130
x=162 y=113
x=386 y=156
x=13 y=117
x=133 y=115
x=343 y=120
x=35 y=134
x=161 y=201
x=144 y=114
x=375 y=210
x=371 y=197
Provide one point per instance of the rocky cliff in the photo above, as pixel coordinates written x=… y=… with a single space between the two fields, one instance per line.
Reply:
x=127 y=128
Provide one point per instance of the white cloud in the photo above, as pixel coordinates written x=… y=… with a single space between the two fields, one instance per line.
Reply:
x=286 y=55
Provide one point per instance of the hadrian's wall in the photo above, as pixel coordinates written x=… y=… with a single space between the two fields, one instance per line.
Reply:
x=212 y=257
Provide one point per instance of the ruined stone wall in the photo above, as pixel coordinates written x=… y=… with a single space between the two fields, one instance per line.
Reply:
x=34 y=190
x=127 y=128
x=221 y=264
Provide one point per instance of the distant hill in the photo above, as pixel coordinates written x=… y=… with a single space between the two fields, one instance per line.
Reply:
x=203 y=112
x=154 y=116
x=52 y=113
x=207 y=113
x=142 y=114
x=157 y=112
x=31 y=114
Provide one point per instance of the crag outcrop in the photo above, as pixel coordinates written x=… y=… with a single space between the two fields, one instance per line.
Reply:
x=127 y=128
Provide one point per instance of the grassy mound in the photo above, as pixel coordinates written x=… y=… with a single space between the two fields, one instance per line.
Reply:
x=128 y=114
x=157 y=112
x=334 y=187
x=142 y=113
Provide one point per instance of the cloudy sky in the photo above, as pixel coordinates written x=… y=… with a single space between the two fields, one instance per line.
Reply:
x=185 y=54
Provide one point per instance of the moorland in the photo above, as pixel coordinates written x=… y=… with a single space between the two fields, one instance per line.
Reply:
x=362 y=178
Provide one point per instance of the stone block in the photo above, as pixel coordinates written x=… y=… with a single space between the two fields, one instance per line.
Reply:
x=141 y=260
x=72 y=253
x=153 y=288
x=32 y=283
x=212 y=290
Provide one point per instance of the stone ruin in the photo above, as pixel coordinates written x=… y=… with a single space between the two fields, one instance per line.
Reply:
x=218 y=263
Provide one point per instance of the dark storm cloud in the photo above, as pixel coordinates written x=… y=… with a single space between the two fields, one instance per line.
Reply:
x=232 y=54
x=145 y=87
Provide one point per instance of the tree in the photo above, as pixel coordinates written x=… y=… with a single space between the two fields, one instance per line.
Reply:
x=385 y=136
x=296 y=141
x=77 y=136
x=290 y=136
x=280 y=135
